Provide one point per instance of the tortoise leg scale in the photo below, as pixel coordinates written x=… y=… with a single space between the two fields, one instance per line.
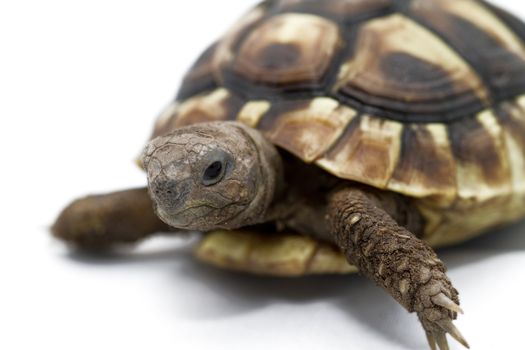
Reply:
x=398 y=261
x=101 y=221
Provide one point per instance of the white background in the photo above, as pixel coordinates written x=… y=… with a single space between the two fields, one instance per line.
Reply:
x=80 y=85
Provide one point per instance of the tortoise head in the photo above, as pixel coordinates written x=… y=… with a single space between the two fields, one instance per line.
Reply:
x=212 y=175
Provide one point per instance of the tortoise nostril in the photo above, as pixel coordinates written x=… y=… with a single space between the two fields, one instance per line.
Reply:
x=169 y=194
x=164 y=190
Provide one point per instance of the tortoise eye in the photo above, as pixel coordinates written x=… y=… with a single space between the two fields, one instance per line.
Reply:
x=213 y=173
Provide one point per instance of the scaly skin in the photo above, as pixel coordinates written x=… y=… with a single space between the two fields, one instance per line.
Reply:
x=395 y=259
x=101 y=221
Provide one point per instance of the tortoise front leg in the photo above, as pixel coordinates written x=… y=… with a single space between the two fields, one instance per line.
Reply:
x=393 y=257
x=101 y=221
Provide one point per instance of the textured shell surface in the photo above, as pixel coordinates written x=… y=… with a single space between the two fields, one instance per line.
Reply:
x=420 y=97
x=276 y=255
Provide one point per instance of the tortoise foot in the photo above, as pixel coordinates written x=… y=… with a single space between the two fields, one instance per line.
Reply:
x=436 y=318
x=99 y=222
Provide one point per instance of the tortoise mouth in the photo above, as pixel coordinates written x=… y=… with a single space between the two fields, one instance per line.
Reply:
x=176 y=219
x=201 y=217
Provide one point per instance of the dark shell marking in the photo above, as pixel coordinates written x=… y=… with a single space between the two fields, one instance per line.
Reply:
x=288 y=49
x=484 y=42
x=425 y=162
x=200 y=76
x=421 y=97
x=344 y=12
x=434 y=84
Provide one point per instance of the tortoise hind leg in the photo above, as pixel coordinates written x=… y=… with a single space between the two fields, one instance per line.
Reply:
x=394 y=258
x=101 y=221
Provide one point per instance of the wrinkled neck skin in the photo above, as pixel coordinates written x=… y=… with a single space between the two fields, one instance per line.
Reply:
x=271 y=187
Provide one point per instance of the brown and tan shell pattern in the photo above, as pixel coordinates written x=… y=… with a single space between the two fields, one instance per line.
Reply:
x=421 y=97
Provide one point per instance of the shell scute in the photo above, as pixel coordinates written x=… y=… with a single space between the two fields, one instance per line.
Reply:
x=482 y=167
x=426 y=166
x=512 y=120
x=367 y=152
x=227 y=47
x=481 y=38
x=400 y=66
x=307 y=128
x=217 y=105
x=288 y=49
x=252 y=112
x=288 y=254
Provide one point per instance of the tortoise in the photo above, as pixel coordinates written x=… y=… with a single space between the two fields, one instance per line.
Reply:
x=334 y=137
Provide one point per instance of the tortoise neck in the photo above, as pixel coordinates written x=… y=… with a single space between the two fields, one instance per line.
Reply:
x=270 y=179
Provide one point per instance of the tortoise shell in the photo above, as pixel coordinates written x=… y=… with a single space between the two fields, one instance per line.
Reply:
x=285 y=254
x=421 y=97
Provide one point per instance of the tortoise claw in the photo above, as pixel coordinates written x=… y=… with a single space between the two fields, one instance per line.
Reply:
x=438 y=338
x=441 y=338
x=431 y=341
x=444 y=301
x=449 y=327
